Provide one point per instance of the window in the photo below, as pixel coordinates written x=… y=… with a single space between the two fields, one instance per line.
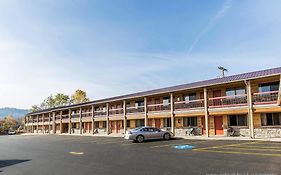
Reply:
x=167 y=122
x=270 y=119
x=166 y=101
x=190 y=97
x=96 y=124
x=235 y=91
x=104 y=124
x=266 y=87
x=189 y=121
x=237 y=120
x=139 y=122
x=139 y=103
x=128 y=123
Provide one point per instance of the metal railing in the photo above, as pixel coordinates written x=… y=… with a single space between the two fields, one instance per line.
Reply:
x=269 y=97
x=227 y=101
x=100 y=113
x=158 y=107
x=65 y=116
x=134 y=109
x=116 y=111
x=180 y=105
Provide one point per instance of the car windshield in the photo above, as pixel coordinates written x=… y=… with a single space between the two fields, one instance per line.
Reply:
x=135 y=129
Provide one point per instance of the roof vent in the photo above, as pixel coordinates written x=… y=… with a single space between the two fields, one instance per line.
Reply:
x=223 y=70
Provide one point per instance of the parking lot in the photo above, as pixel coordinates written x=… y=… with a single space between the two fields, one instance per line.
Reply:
x=34 y=155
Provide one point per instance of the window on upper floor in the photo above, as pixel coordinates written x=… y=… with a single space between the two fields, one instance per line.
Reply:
x=270 y=119
x=166 y=101
x=139 y=103
x=190 y=97
x=266 y=87
x=237 y=120
x=235 y=91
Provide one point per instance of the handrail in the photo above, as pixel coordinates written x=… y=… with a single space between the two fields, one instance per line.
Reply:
x=268 y=92
x=227 y=97
x=134 y=107
x=190 y=101
x=118 y=109
x=159 y=104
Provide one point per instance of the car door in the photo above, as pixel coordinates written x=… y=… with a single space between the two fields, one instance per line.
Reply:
x=157 y=134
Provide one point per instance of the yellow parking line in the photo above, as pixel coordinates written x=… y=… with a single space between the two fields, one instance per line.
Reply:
x=76 y=153
x=221 y=146
x=236 y=152
x=174 y=144
x=254 y=149
x=268 y=147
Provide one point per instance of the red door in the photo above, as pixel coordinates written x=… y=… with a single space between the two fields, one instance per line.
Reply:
x=157 y=123
x=218 y=125
x=204 y=126
x=217 y=102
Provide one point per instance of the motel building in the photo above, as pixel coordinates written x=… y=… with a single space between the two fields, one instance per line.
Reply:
x=249 y=103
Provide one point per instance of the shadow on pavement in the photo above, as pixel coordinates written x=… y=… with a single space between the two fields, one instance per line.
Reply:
x=4 y=163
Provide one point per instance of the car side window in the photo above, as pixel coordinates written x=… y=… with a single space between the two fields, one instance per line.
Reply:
x=150 y=130
x=144 y=130
x=156 y=130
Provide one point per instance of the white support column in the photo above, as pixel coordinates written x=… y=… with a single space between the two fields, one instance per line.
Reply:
x=43 y=122
x=80 y=121
x=54 y=123
x=107 y=119
x=125 y=116
x=145 y=112
x=206 y=109
x=49 y=124
x=250 y=108
x=279 y=93
x=37 y=124
x=24 y=124
x=32 y=128
x=69 y=123
x=60 y=122
x=172 y=113
x=93 y=119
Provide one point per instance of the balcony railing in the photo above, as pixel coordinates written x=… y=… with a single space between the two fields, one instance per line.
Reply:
x=181 y=105
x=65 y=116
x=57 y=117
x=100 y=113
x=86 y=114
x=134 y=109
x=265 y=97
x=228 y=101
x=116 y=111
x=77 y=115
x=158 y=107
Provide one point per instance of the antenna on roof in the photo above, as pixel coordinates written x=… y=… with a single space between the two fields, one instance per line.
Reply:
x=222 y=69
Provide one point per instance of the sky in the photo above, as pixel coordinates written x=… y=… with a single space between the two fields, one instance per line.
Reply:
x=116 y=47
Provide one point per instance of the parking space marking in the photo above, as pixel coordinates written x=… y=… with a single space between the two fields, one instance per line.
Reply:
x=174 y=144
x=254 y=149
x=76 y=153
x=237 y=152
x=253 y=146
x=110 y=142
x=221 y=146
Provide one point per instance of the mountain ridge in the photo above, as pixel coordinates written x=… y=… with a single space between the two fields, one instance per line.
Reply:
x=15 y=112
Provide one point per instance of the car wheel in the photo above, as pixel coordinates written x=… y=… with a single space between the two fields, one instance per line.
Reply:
x=166 y=136
x=140 y=138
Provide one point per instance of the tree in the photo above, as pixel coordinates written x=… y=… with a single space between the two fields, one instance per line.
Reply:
x=34 y=108
x=61 y=99
x=10 y=123
x=79 y=97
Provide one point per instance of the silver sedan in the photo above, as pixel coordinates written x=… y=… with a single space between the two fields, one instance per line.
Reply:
x=147 y=133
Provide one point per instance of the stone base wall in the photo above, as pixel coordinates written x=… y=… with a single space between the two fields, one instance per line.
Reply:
x=267 y=132
x=185 y=131
x=239 y=132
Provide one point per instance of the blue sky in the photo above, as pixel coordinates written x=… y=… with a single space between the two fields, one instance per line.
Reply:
x=114 y=47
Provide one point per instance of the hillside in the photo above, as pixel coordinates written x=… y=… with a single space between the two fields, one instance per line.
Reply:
x=17 y=113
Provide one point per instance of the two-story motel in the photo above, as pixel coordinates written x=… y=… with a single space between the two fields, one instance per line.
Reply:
x=248 y=102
